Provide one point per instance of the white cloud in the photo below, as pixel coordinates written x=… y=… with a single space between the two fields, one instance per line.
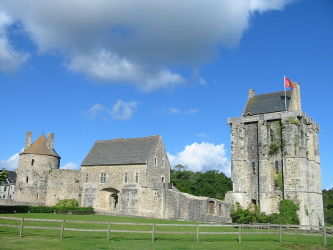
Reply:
x=10 y=59
x=132 y=42
x=202 y=81
x=11 y=163
x=204 y=135
x=123 y=110
x=95 y=111
x=202 y=157
x=120 y=111
x=178 y=111
x=69 y=165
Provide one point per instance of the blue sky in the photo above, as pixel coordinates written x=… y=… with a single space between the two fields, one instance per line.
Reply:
x=102 y=70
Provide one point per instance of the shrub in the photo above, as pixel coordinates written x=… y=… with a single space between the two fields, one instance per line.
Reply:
x=288 y=214
x=41 y=209
x=68 y=204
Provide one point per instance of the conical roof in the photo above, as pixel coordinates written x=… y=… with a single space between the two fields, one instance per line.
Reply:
x=39 y=147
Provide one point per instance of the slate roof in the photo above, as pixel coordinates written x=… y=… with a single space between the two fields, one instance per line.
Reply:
x=121 y=151
x=39 y=147
x=267 y=103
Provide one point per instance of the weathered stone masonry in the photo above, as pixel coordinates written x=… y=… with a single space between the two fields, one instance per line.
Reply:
x=275 y=156
x=118 y=177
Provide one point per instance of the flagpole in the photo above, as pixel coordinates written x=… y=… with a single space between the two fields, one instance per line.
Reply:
x=285 y=95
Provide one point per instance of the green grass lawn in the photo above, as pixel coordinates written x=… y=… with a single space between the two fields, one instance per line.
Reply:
x=50 y=239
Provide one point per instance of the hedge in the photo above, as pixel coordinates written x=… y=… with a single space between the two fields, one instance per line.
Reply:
x=46 y=209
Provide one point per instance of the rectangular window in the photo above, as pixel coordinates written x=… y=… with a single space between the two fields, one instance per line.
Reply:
x=136 y=177
x=4 y=188
x=155 y=161
x=125 y=180
x=87 y=178
x=103 y=177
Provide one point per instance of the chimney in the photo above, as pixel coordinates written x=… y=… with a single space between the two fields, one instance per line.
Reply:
x=295 y=102
x=28 y=140
x=251 y=93
x=50 y=140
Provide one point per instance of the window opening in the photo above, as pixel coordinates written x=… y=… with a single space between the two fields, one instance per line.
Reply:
x=136 y=177
x=155 y=161
x=87 y=178
x=254 y=202
x=162 y=179
x=27 y=179
x=253 y=168
x=211 y=207
x=4 y=188
x=32 y=162
x=276 y=167
x=271 y=135
x=103 y=177
x=37 y=195
x=163 y=163
x=125 y=180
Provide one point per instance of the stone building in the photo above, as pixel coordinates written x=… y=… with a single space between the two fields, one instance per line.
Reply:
x=119 y=177
x=7 y=188
x=275 y=155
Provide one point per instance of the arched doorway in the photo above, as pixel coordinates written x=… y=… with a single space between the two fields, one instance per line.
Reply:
x=113 y=198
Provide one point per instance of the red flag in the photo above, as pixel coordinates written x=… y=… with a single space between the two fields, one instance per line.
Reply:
x=288 y=83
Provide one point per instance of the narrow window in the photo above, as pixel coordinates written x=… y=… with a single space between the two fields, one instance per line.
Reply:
x=10 y=196
x=4 y=188
x=4 y=196
x=87 y=177
x=162 y=179
x=37 y=195
x=103 y=177
x=155 y=161
x=27 y=179
x=271 y=135
x=136 y=177
x=32 y=162
x=125 y=180
x=276 y=167
x=163 y=163
x=211 y=207
x=253 y=168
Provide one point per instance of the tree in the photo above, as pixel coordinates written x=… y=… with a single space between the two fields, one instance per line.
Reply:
x=210 y=184
x=328 y=205
x=3 y=175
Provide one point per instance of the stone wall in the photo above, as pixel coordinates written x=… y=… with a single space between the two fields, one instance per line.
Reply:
x=63 y=184
x=32 y=177
x=97 y=192
x=290 y=171
x=158 y=168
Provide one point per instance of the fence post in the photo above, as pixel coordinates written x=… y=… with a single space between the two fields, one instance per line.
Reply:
x=21 y=229
x=62 y=228
x=280 y=233
x=153 y=234
x=108 y=235
x=197 y=233
x=239 y=233
x=325 y=235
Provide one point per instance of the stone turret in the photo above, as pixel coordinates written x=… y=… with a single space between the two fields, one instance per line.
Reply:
x=35 y=164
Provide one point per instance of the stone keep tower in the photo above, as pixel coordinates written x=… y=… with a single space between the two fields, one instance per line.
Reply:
x=35 y=164
x=275 y=155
